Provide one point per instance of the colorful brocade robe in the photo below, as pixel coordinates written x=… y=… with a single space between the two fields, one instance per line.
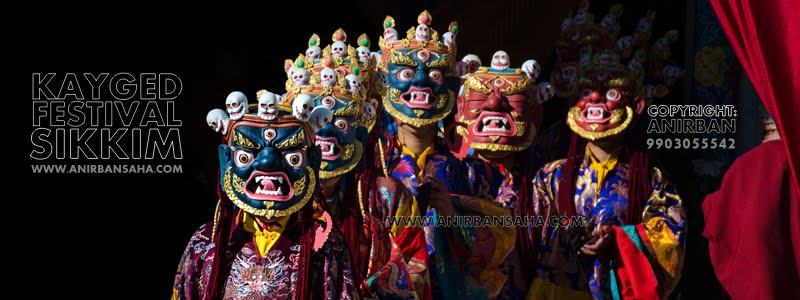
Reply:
x=435 y=262
x=648 y=257
x=504 y=187
x=272 y=275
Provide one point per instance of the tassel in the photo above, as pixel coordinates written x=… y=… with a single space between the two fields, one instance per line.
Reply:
x=221 y=239
x=566 y=187
x=640 y=187
x=303 y=288
x=639 y=176
x=351 y=222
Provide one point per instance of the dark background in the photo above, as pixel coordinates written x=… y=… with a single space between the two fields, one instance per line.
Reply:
x=119 y=236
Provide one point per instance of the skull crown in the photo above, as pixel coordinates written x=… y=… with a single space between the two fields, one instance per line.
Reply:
x=338 y=70
x=421 y=35
x=590 y=52
x=338 y=67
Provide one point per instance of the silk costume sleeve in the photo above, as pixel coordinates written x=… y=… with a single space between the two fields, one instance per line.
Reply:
x=337 y=272
x=398 y=258
x=660 y=236
x=189 y=279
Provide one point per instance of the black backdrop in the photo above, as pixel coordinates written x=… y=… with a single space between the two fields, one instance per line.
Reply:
x=119 y=236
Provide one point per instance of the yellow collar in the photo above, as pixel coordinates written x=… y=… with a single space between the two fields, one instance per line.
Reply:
x=419 y=159
x=602 y=168
x=264 y=238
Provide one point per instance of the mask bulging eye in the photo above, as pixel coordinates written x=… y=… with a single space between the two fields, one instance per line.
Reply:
x=243 y=158
x=586 y=93
x=342 y=125
x=613 y=95
x=406 y=74
x=436 y=76
x=294 y=159
x=328 y=102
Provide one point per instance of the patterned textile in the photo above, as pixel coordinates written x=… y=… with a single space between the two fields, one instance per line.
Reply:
x=439 y=262
x=506 y=185
x=562 y=273
x=272 y=276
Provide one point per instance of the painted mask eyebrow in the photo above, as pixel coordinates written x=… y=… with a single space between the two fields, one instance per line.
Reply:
x=291 y=141
x=245 y=140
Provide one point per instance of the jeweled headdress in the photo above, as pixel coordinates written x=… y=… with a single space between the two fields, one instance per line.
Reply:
x=589 y=52
x=340 y=79
x=419 y=69
x=499 y=106
x=243 y=179
x=591 y=57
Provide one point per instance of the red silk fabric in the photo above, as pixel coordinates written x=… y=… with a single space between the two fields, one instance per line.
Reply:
x=753 y=227
x=765 y=35
x=636 y=277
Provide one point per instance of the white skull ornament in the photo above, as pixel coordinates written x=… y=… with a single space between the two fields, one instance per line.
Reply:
x=338 y=49
x=363 y=54
x=462 y=69
x=500 y=60
x=236 y=103
x=671 y=72
x=268 y=106
x=313 y=52
x=532 y=69
x=327 y=77
x=473 y=61
x=302 y=106
x=609 y=20
x=644 y=25
x=423 y=33
x=544 y=91
x=289 y=72
x=369 y=111
x=449 y=39
x=217 y=120
x=625 y=42
x=566 y=23
x=383 y=78
x=353 y=83
x=389 y=35
x=319 y=117
x=581 y=16
x=606 y=56
x=300 y=77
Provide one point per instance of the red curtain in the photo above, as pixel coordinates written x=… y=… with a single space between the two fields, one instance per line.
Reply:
x=765 y=35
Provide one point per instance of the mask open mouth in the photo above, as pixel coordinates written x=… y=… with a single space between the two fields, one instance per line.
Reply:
x=596 y=114
x=331 y=150
x=419 y=98
x=495 y=123
x=272 y=186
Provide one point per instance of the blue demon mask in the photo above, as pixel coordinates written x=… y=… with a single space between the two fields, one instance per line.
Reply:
x=419 y=72
x=269 y=167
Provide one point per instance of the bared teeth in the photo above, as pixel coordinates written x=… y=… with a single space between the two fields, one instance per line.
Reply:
x=269 y=185
x=327 y=147
x=594 y=113
x=414 y=98
x=500 y=126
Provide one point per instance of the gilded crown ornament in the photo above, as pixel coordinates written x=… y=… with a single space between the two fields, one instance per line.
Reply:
x=420 y=71
x=610 y=75
x=499 y=106
x=268 y=162
x=339 y=79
